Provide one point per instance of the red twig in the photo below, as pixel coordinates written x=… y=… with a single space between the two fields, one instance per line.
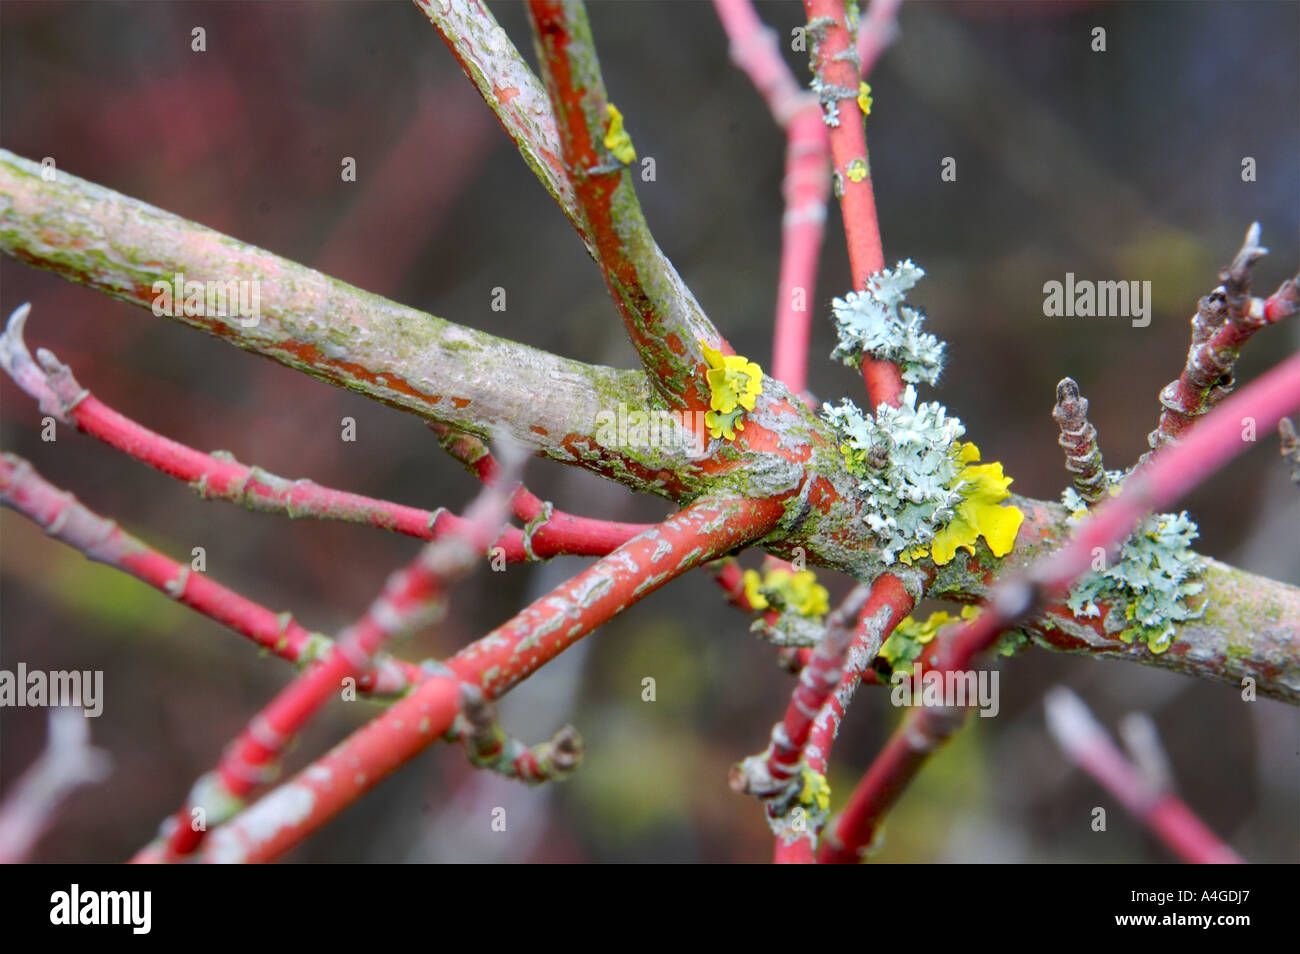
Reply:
x=772 y=775
x=883 y=380
x=488 y=746
x=817 y=680
x=803 y=227
x=582 y=536
x=731 y=578
x=755 y=49
x=547 y=527
x=878 y=29
x=1224 y=321
x=806 y=186
x=411 y=598
x=836 y=65
x=1164 y=478
x=495 y=663
x=838 y=69
x=222 y=477
x=61 y=516
x=886 y=607
x=1149 y=800
x=830 y=674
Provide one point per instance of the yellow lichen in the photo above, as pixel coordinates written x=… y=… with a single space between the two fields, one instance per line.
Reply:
x=724 y=425
x=903 y=644
x=617 y=141
x=980 y=513
x=798 y=591
x=864 y=98
x=734 y=384
x=816 y=791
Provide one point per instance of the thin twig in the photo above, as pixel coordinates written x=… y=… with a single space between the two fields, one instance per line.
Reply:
x=61 y=516
x=488 y=746
x=220 y=477
x=546 y=528
x=495 y=663
x=1224 y=320
x=773 y=775
x=806 y=186
x=878 y=29
x=412 y=597
x=890 y=602
x=67 y=763
x=838 y=73
x=1149 y=799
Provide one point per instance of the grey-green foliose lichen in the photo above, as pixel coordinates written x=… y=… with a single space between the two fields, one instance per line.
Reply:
x=906 y=459
x=877 y=323
x=1154 y=579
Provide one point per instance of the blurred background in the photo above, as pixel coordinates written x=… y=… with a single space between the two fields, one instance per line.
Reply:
x=1118 y=165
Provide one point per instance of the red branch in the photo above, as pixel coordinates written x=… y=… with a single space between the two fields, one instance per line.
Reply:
x=61 y=516
x=582 y=536
x=817 y=680
x=887 y=606
x=1150 y=801
x=221 y=476
x=878 y=29
x=829 y=675
x=754 y=48
x=1224 y=321
x=836 y=64
x=773 y=775
x=888 y=592
x=806 y=187
x=495 y=663
x=1163 y=479
x=411 y=597
x=547 y=528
